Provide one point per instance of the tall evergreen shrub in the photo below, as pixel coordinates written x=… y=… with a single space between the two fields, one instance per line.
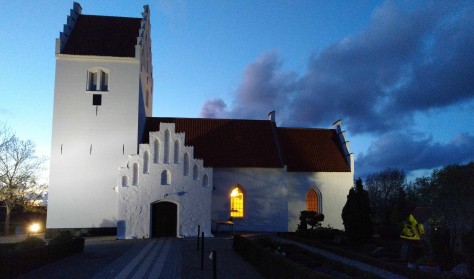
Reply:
x=356 y=214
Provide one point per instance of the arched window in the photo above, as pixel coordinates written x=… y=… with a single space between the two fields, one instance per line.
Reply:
x=237 y=202
x=186 y=164
x=156 y=151
x=205 y=181
x=196 y=172
x=124 y=181
x=312 y=201
x=176 y=151
x=166 y=157
x=135 y=174
x=165 y=178
x=97 y=79
x=146 y=160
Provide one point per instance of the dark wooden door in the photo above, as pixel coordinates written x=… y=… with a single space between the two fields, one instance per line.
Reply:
x=164 y=219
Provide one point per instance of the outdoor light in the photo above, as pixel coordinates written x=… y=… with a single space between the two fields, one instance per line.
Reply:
x=34 y=228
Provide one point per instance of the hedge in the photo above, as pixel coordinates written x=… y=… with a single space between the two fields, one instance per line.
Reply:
x=32 y=253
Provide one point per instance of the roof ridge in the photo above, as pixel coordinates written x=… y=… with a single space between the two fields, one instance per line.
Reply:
x=306 y=128
x=128 y=17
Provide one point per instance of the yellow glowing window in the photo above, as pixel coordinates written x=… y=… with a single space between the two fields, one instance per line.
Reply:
x=236 y=203
x=312 y=201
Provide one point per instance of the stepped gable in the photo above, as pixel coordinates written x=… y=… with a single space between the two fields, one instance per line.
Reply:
x=103 y=36
x=312 y=150
x=225 y=143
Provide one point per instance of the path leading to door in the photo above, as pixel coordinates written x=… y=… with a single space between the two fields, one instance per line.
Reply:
x=105 y=257
x=160 y=258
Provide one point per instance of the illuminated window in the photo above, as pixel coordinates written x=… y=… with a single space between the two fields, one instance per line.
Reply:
x=236 y=203
x=312 y=201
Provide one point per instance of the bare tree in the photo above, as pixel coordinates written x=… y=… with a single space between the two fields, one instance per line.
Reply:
x=385 y=188
x=19 y=169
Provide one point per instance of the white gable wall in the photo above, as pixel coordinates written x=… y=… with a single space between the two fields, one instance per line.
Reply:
x=192 y=197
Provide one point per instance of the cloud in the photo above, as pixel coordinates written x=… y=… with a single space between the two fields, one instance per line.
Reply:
x=406 y=62
x=412 y=151
x=264 y=88
x=215 y=108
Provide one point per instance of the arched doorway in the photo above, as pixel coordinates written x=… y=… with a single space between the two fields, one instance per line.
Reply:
x=164 y=219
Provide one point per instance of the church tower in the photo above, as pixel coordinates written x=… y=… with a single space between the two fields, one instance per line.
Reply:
x=103 y=94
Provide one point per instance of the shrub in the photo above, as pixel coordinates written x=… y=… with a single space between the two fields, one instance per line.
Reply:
x=30 y=243
x=65 y=243
x=356 y=214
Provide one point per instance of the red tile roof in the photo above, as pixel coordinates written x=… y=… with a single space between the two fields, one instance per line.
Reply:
x=312 y=150
x=226 y=142
x=103 y=36
x=257 y=143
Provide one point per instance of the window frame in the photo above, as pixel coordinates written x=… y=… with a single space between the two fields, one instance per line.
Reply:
x=232 y=207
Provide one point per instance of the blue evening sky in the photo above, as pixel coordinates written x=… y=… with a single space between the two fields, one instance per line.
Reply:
x=400 y=74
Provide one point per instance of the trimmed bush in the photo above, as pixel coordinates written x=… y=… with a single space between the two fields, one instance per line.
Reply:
x=33 y=252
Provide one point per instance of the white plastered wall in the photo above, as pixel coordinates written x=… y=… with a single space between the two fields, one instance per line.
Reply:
x=192 y=197
x=265 y=198
x=334 y=188
x=89 y=143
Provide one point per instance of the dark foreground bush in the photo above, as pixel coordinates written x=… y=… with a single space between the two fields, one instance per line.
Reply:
x=33 y=252
x=270 y=265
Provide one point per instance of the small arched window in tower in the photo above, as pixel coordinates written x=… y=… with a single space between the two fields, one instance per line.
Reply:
x=205 y=181
x=176 y=151
x=186 y=164
x=135 y=174
x=156 y=151
x=124 y=181
x=312 y=201
x=196 y=172
x=165 y=178
x=146 y=160
x=166 y=148
x=237 y=202
x=97 y=79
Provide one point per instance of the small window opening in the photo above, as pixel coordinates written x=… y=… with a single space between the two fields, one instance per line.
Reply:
x=96 y=100
x=165 y=178
x=196 y=172
x=135 y=174
x=186 y=164
x=176 y=152
x=124 y=181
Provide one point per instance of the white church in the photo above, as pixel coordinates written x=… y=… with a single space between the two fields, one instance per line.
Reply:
x=116 y=167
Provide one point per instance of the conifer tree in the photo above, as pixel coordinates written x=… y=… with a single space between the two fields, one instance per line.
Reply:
x=356 y=214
